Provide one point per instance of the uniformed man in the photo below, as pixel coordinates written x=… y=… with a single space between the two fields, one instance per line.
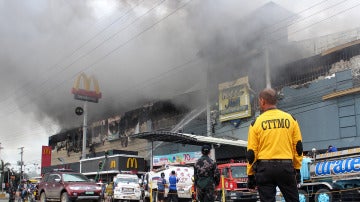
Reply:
x=206 y=176
x=274 y=151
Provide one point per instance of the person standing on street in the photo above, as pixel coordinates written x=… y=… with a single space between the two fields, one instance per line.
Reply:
x=173 y=180
x=274 y=151
x=161 y=184
x=206 y=176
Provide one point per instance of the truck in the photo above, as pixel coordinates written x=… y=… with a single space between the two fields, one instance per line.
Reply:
x=333 y=176
x=233 y=184
x=184 y=174
x=126 y=187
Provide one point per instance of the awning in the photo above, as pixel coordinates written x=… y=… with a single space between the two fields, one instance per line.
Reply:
x=185 y=138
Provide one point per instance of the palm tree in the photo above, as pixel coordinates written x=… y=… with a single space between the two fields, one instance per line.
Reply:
x=2 y=169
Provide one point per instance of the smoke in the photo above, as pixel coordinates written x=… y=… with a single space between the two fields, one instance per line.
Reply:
x=139 y=51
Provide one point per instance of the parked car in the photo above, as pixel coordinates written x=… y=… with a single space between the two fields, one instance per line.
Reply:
x=67 y=185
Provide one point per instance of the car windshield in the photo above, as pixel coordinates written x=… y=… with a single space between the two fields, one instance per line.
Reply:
x=126 y=180
x=238 y=171
x=75 y=177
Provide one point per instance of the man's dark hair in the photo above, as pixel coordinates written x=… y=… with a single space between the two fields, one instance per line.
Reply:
x=173 y=172
x=205 y=149
x=269 y=95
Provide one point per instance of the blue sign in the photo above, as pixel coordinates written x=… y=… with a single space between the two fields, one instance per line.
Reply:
x=336 y=167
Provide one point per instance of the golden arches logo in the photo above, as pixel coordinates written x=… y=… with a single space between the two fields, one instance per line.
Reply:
x=132 y=163
x=85 y=93
x=46 y=151
x=113 y=164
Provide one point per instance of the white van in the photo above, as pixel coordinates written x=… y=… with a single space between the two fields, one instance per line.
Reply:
x=126 y=187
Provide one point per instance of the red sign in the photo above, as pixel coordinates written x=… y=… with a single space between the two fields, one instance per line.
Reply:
x=46 y=156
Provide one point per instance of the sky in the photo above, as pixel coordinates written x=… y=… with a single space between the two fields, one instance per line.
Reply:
x=139 y=51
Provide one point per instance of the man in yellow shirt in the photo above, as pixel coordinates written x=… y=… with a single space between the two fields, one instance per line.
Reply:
x=274 y=151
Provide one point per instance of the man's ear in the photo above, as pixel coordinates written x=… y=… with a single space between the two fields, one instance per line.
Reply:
x=261 y=101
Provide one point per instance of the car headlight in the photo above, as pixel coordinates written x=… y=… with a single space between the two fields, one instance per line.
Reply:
x=98 y=188
x=74 y=187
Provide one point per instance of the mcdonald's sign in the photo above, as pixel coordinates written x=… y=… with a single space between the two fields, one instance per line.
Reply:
x=113 y=164
x=46 y=150
x=46 y=156
x=85 y=93
x=132 y=163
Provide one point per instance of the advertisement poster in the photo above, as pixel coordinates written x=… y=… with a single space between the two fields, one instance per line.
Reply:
x=234 y=100
x=178 y=158
x=99 y=131
x=113 y=128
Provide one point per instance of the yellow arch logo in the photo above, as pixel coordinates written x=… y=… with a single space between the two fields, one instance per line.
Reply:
x=132 y=163
x=85 y=92
x=46 y=151
x=113 y=164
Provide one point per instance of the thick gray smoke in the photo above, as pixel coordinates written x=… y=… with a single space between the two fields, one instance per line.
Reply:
x=139 y=51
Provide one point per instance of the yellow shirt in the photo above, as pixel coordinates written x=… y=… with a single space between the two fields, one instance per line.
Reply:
x=274 y=135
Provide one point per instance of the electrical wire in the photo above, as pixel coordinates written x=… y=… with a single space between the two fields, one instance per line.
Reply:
x=144 y=30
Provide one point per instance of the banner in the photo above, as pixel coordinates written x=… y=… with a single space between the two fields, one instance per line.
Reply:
x=99 y=131
x=234 y=100
x=178 y=158
x=113 y=128
x=46 y=156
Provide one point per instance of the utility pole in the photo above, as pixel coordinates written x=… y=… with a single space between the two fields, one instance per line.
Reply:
x=83 y=156
x=3 y=171
x=21 y=162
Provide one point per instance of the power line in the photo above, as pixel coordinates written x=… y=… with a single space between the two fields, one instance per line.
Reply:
x=89 y=52
x=304 y=18
x=18 y=89
x=126 y=42
x=302 y=29
x=292 y=17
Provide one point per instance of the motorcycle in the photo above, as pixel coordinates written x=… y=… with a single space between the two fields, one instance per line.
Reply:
x=31 y=194
x=12 y=194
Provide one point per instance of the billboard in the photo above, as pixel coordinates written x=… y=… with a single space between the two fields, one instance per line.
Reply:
x=113 y=128
x=234 y=99
x=99 y=131
x=176 y=159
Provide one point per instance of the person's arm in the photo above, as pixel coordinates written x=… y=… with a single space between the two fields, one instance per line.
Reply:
x=195 y=175
x=251 y=154
x=297 y=146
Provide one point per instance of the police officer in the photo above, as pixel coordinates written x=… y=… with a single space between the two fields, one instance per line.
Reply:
x=274 y=151
x=206 y=176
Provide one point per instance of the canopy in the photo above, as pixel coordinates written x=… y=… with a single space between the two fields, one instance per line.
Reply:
x=185 y=138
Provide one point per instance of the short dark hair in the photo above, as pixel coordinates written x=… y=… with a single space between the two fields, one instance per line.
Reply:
x=205 y=149
x=269 y=95
x=173 y=172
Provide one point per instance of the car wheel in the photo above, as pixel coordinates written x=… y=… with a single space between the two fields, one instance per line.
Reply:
x=323 y=195
x=64 y=197
x=303 y=196
x=43 y=197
